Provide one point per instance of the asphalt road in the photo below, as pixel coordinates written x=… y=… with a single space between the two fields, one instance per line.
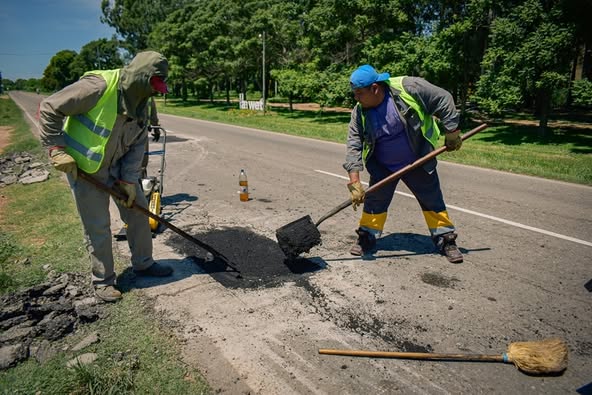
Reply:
x=527 y=244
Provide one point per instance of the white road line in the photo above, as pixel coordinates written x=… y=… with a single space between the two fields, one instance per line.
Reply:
x=31 y=118
x=491 y=217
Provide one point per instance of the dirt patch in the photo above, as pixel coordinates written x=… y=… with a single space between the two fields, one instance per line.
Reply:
x=3 y=203
x=309 y=107
x=555 y=124
x=439 y=280
x=5 y=134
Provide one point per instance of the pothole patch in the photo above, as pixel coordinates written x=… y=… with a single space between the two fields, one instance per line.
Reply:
x=260 y=261
x=439 y=280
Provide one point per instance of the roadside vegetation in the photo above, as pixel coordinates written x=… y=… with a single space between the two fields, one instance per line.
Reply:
x=528 y=55
x=39 y=226
x=510 y=144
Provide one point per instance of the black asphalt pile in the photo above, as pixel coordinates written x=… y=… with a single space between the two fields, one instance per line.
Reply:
x=259 y=260
x=298 y=236
x=33 y=318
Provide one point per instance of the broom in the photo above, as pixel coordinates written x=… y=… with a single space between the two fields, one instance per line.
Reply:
x=536 y=357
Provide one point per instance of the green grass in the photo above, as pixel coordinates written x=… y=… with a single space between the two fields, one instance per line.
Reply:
x=39 y=225
x=324 y=126
x=133 y=357
x=565 y=155
x=21 y=137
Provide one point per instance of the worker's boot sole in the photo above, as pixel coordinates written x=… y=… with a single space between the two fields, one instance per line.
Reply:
x=108 y=294
x=356 y=250
x=453 y=254
x=446 y=243
x=365 y=244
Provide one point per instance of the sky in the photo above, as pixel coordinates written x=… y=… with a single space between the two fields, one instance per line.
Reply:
x=33 y=31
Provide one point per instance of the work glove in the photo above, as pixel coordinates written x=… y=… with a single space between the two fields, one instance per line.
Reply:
x=357 y=193
x=129 y=190
x=63 y=162
x=155 y=130
x=453 y=141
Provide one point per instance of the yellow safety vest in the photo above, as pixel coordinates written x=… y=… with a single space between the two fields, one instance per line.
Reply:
x=87 y=134
x=429 y=128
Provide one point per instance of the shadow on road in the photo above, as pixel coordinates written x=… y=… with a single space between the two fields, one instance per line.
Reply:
x=406 y=244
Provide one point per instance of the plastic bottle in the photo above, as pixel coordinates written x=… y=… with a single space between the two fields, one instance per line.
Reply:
x=244 y=186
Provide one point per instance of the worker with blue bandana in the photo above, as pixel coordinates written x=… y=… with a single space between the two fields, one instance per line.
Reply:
x=392 y=125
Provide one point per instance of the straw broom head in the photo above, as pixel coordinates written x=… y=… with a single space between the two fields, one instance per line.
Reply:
x=538 y=357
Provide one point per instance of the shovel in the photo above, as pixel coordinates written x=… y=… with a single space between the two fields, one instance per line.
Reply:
x=160 y=220
x=303 y=234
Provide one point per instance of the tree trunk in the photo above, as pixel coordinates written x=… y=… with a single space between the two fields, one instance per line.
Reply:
x=464 y=91
x=241 y=87
x=543 y=109
x=184 y=90
x=227 y=91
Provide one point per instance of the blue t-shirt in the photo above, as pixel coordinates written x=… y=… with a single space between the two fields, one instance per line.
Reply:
x=392 y=148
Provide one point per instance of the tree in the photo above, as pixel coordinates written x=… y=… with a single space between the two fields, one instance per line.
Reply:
x=100 y=54
x=179 y=39
x=582 y=93
x=290 y=84
x=133 y=20
x=453 y=54
x=58 y=73
x=525 y=62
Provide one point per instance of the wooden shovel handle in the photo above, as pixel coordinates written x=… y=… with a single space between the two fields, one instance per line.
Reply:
x=413 y=355
x=118 y=195
x=398 y=174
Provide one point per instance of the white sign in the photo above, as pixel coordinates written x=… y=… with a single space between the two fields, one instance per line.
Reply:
x=249 y=104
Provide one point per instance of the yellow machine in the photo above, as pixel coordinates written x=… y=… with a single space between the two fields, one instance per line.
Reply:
x=152 y=186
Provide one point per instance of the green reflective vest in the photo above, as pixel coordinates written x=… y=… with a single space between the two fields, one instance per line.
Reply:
x=87 y=134
x=429 y=128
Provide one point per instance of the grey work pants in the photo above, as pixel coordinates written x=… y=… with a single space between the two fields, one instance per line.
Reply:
x=93 y=208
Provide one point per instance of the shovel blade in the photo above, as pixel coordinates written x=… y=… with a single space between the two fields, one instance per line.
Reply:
x=298 y=237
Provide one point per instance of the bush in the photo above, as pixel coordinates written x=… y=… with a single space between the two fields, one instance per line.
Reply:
x=582 y=93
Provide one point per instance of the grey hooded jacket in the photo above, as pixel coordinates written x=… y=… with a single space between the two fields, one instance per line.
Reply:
x=126 y=145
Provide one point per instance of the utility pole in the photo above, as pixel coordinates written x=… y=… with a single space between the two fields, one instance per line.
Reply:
x=263 y=76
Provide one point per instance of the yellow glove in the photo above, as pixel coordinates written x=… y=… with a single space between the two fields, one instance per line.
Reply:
x=453 y=141
x=357 y=193
x=64 y=162
x=129 y=190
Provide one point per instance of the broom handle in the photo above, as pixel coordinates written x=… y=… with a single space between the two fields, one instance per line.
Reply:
x=414 y=355
x=155 y=217
x=398 y=174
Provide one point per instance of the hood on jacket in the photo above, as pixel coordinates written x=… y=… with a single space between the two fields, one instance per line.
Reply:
x=135 y=82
